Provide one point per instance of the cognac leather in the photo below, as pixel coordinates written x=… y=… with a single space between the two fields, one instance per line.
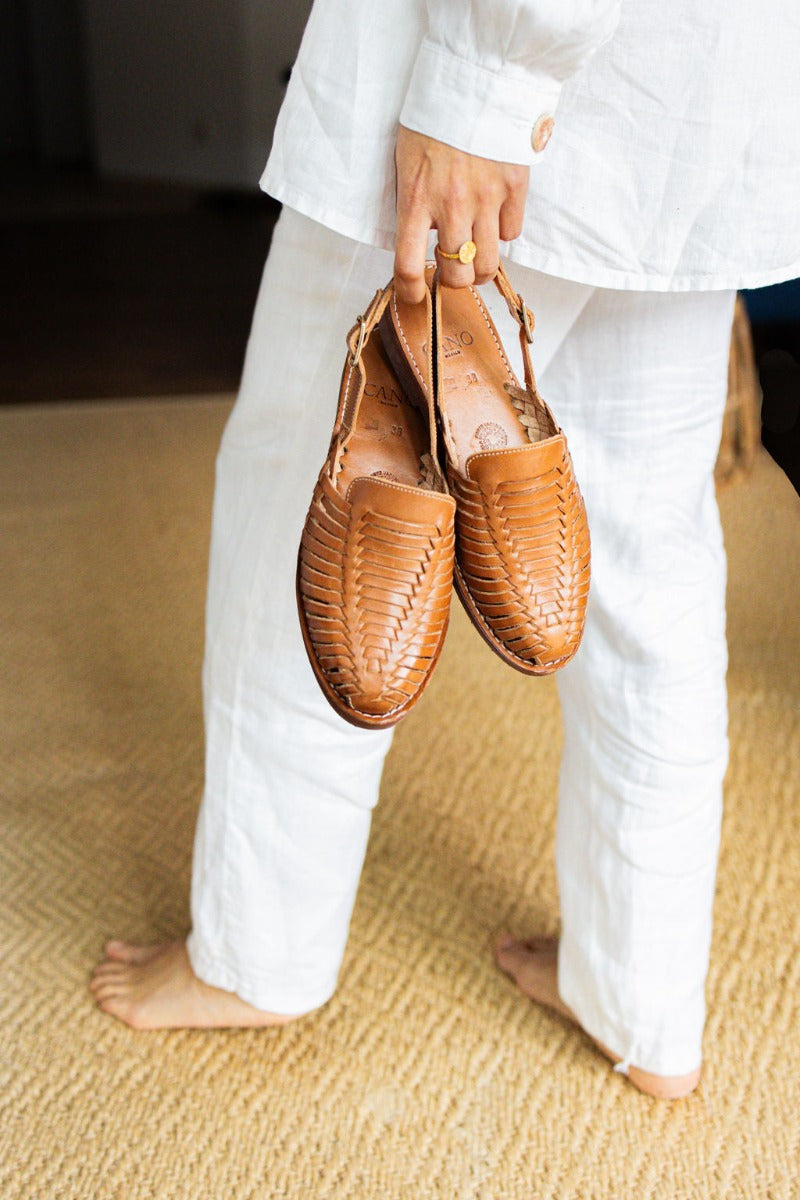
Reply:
x=375 y=563
x=522 y=539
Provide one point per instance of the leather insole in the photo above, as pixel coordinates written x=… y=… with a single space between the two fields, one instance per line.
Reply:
x=390 y=435
x=473 y=366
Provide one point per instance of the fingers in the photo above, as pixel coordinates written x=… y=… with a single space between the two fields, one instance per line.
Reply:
x=413 y=219
x=465 y=198
x=413 y=227
x=452 y=272
x=485 y=235
x=486 y=238
x=512 y=210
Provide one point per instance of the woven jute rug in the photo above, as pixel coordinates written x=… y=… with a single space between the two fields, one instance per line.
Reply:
x=427 y=1075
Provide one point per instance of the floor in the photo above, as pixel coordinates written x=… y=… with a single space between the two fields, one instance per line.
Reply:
x=428 y=1076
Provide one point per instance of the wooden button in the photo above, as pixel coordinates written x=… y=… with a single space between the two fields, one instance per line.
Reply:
x=540 y=134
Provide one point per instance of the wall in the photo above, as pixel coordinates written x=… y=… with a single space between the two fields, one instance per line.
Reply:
x=270 y=46
x=43 y=113
x=188 y=90
x=17 y=109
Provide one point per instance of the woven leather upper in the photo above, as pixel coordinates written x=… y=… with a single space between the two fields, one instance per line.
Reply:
x=523 y=550
x=522 y=538
x=376 y=575
x=375 y=564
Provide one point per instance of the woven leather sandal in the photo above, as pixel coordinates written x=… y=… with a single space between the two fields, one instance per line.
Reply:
x=522 y=539
x=375 y=564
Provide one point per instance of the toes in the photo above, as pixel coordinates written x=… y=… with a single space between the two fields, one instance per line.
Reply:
x=537 y=942
x=542 y=944
x=114 y=997
x=128 y=951
x=108 y=968
x=522 y=958
x=504 y=941
x=103 y=975
x=104 y=991
x=531 y=961
x=101 y=982
x=512 y=956
x=533 y=966
x=120 y=1007
x=116 y=949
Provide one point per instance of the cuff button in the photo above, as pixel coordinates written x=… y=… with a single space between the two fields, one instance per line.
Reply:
x=540 y=134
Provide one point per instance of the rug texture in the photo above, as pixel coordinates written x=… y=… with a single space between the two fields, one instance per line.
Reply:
x=428 y=1075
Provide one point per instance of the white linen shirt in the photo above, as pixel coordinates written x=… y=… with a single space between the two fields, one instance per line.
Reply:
x=674 y=162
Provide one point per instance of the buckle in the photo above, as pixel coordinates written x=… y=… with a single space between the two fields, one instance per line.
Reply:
x=524 y=318
x=362 y=337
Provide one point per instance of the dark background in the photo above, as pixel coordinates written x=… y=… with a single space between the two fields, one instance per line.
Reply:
x=132 y=230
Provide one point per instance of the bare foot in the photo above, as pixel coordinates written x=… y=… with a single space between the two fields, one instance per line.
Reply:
x=154 y=987
x=533 y=965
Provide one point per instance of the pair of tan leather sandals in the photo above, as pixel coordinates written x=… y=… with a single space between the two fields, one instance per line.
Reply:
x=442 y=469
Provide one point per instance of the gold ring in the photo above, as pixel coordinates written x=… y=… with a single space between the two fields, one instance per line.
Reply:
x=465 y=253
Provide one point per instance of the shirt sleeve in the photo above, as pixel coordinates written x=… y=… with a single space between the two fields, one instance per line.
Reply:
x=489 y=73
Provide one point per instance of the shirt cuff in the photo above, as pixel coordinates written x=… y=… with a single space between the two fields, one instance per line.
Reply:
x=477 y=110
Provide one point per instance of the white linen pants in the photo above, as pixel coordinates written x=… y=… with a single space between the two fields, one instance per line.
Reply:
x=638 y=381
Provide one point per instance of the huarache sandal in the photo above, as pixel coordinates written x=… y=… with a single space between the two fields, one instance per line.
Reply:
x=522 y=540
x=375 y=564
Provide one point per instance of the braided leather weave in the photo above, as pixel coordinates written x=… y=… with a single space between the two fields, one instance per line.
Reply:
x=375 y=564
x=375 y=588
x=523 y=552
x=522 y=540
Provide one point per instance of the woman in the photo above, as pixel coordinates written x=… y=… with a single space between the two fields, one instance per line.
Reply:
x=670 y=180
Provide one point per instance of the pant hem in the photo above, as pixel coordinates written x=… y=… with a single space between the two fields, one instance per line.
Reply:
x=264 y=991
x=641 y=1048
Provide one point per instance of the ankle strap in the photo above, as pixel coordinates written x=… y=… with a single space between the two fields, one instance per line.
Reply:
x=516 y=305
x=524 y=318
x=353 y=378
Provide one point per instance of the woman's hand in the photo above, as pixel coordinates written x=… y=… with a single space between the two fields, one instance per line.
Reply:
x=463 y=198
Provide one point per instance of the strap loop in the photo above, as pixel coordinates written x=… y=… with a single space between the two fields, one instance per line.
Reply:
x=525 y=318
x=362 y=337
